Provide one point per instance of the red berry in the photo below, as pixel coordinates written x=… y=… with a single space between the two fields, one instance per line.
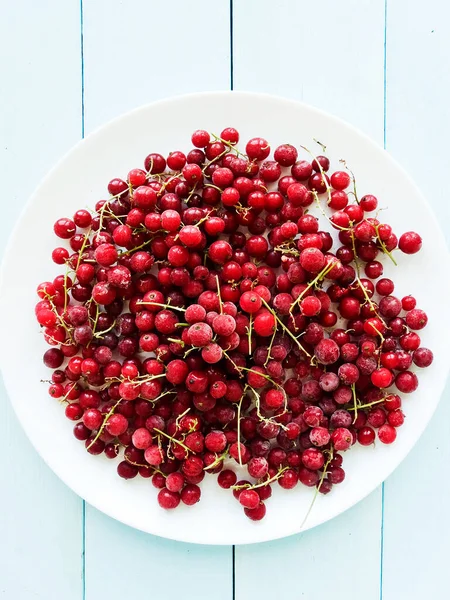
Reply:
x=387 y=434
x=382 y=378
x=64 y=228
x=200 y=138
x=190 y=494
x=416 y=319
x=257 y=149
x=340 y=180
x=249 y=498
x=227 y=479
x=366 y=436
x=285 y=155
x=256 y=514
x=167 y=499
x=410 y=242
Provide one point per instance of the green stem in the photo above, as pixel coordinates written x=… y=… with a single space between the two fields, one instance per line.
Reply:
x=238 y=369
x=311 y=284
x=286 y=250
x=269 y=379
x=178 y=419
x=249 y=334
x=218 y=460
x=169 y=306
x=383 y=247
x=172 y=439
x=127 y=252
x=258 y=410
x=269 y=349
x=94 y=325
x=319 y=485
x=361 y=406
x=60 y=319
x=105 y=421
x=239 y=428
x=371 y=304
x=100 y=334
x=64 y=398
x=344 y=162
x=83 y=246
x=322 y=173
x=248 y=486
x=165 y=394
x=219 y=295
x=288 y=331
x=355 y=401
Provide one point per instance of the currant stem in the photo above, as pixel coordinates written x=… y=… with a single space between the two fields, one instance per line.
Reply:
x=311 y=284
x=155 y=400
x=169 y=306
x=258 y=410
x=238 y=369
x=219 y=295
x=105 y=421
x=361 y=406
x=127 y=252
x=178 y=419
x=239 y=427
x=65 y=397
x=344 y=162
x=248 y=486
x=269 y=349
x=269 y=379
x=372 y=306
x=100 y=334
x=288 y=331
x=60 y=319
x=322 y=172
x=94 y=325
x=220 y=458
x=83 y=246
x=383 y=247
x=355 y=401
x=172 y=439
x=316 y=492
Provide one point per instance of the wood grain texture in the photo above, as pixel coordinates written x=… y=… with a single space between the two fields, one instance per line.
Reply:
x=135 y=53
x=315 y=53
x=417 y=126
x=40 y=518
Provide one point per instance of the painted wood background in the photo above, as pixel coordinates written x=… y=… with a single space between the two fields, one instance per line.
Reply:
x=68 y=66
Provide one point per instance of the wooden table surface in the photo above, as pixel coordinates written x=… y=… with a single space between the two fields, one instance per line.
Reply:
x=67 y=67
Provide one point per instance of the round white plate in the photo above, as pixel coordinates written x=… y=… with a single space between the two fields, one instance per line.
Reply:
x=80 y=179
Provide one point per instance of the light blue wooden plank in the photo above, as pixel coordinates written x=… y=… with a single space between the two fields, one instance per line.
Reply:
x=122 y=562
x=135 y=53
x=417 y=126
x=339 y=558
x=330 y=55
x=138 y=52
x=40 y=522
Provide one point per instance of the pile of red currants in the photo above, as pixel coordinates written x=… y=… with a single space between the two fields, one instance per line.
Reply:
x=204 y=320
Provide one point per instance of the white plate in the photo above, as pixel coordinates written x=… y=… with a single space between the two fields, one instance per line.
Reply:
x=80 y=180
